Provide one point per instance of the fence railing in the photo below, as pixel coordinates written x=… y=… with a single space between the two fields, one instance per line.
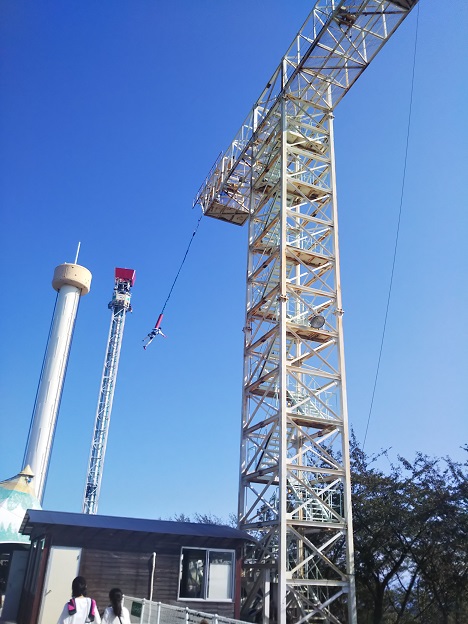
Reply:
x=144 y=611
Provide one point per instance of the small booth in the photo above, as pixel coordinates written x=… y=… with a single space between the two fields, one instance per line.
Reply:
x=177 y=563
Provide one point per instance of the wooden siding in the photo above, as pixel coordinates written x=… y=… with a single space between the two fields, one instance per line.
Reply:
x=131 y=572
x=104 y=570
x=124 y=559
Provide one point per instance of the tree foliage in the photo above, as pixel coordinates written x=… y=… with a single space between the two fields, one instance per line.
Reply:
x=206 y=518
x=411 y=537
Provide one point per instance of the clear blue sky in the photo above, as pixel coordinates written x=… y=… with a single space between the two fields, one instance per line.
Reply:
x=111 y=114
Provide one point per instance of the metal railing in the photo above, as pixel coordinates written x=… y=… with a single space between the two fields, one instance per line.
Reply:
x=144 y=611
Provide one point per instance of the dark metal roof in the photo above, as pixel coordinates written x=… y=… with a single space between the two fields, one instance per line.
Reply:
x=42 y=518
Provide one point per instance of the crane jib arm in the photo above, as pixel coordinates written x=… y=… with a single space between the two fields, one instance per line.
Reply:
x=336 y=43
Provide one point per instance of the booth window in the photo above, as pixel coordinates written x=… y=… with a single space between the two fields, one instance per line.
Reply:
x=206 y=574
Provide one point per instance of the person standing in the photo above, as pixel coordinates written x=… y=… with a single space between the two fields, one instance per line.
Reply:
x=116 y=613
x=80 y=608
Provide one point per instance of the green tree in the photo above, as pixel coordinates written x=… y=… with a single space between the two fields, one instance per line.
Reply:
x=410 y=532
x=442 y=554
x=381 y=512
x=205 y=518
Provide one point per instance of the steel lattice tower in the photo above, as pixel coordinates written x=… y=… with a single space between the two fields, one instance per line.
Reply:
x=120 y=305
x=279 y=175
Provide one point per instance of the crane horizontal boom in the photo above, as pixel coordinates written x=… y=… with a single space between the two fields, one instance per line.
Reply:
x=336 y=43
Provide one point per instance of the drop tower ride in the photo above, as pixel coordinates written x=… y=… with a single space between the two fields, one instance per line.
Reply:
x=119 y=306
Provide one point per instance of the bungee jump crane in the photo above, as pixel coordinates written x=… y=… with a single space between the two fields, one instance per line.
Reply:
x=278 y=177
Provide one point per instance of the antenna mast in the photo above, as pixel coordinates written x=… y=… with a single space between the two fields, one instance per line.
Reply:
x=120 y=305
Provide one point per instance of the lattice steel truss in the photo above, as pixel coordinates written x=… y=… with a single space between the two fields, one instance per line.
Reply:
x=119 y=307
x=279 y=174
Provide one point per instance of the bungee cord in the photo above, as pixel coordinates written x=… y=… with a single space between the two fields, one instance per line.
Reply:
x=397 y=234
x=157 y=331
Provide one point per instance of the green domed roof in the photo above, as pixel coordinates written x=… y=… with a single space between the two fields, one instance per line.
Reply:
x=16 y=495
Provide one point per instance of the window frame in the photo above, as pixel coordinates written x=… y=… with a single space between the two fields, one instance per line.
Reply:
x=206 y=579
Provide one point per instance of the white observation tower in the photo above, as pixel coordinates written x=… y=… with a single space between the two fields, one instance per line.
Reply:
x=71 y=281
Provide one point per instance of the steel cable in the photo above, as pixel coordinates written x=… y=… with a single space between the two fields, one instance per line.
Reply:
x=392 y=273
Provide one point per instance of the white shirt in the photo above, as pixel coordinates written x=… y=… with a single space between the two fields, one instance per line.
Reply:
x=83 y=606
x=110 y=618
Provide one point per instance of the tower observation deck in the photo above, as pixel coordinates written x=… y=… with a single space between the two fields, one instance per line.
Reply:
x=120 y=305
x=278 y=176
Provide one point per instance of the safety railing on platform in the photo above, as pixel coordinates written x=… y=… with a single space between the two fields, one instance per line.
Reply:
x=144 y=611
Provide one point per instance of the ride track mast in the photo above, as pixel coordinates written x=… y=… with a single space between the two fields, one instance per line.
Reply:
x=120 y=305
x=279 y=175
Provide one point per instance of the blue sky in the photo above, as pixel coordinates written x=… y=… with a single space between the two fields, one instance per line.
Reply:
x=111 y=115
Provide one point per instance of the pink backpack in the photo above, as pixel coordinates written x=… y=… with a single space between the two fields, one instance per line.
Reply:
x=92 y=611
